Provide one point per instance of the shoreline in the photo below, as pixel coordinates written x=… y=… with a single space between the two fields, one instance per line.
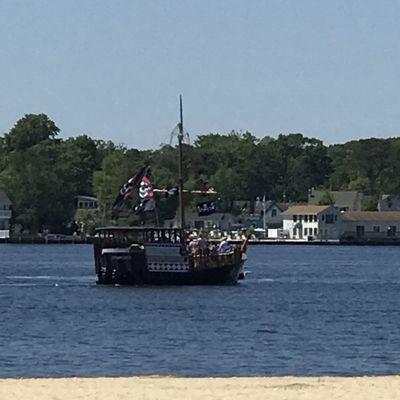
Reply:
x=177 y=388
x=261 y=242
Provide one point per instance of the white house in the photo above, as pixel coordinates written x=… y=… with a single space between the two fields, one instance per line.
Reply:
x=371 y=225
x=86 y=203
x=312 y=222
x=5 y=215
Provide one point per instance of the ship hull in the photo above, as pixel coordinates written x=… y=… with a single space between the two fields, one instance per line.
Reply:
x=227 y=275
x=130 y=270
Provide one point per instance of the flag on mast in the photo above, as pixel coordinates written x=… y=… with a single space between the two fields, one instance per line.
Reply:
x=127 y=189
x=146 y=193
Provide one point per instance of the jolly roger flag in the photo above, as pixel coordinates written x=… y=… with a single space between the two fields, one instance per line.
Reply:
x=146 y=194
x=145 y=206
x=127 y=189
x=206 y=208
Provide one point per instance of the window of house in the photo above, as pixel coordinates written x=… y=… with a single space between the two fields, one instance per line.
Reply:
x=335 y=217
x=323 y=217
x=376 y=229
x=391 y=230
x=306 y=218
x=315 y=218
x=315 y=231
x=329 y=218
x=273 y=213
x=305 y=231
x=294 y=218
x=360 y=230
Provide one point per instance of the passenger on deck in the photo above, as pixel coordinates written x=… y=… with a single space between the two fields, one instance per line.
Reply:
x=193 y=246
x=213 y=249
x=203 y=246
x=224 y=246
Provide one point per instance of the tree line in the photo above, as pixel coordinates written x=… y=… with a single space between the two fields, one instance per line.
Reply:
x=42 y=174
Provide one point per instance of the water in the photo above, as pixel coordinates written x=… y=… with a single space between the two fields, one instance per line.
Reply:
x=303 y=310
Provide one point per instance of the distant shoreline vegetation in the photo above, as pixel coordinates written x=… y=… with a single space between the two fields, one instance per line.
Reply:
x=43 y=174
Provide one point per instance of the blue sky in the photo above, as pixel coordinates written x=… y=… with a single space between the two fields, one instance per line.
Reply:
x=114 y=69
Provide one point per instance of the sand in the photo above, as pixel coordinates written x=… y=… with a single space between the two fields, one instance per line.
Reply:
x=160 y=388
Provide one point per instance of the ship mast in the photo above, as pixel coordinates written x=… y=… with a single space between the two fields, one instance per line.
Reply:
x=180 y=183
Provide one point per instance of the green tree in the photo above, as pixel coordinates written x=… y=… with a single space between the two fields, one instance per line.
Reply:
x=326 y=199
x=29 y=131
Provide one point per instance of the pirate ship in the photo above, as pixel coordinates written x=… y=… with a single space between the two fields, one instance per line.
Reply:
x=160 y=256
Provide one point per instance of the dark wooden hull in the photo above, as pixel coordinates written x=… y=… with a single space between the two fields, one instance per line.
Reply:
x=226 y=275
x=132 y=269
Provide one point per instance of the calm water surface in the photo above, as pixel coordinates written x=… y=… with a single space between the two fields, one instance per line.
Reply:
x=303 y=310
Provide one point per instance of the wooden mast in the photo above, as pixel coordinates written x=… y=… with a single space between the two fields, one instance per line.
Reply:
x=180 y=141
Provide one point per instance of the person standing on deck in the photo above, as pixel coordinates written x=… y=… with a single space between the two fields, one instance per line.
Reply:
x=224 y=246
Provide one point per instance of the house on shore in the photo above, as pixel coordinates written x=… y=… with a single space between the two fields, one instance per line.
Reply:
x=86 y=203
x=273 y=215
x=367 y=226
x=5 y=215
x=312 y=222
x=221 y=221
x=342 y=200
x=388 y=202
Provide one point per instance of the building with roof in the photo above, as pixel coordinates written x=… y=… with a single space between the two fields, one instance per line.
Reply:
x=273 y=215
x=371 y=225
x=343 y=200
x=221 y=221
x=312 y=222
x=5 y=215
x=388 y=202
x=86 y=203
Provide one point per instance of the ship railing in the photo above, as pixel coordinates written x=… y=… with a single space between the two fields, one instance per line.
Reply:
x=215 y=260
x=123 y=236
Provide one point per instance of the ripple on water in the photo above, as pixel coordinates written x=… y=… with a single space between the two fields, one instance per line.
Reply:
x=301 y=311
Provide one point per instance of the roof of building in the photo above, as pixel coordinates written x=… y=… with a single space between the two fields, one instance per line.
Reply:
x=388 y=202
x=283 y=206
x=305 y=209
x=87 y=198
x=372 y=216
x=270 y=203
x=4 y=198
x=258 y=206
x=342 y=198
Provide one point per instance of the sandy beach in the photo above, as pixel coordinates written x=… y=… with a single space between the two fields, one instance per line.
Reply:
x=160 y=388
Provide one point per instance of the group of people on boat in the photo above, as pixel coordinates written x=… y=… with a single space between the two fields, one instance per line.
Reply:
x=200 y=246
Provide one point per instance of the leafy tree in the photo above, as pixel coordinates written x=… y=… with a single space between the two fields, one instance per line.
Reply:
x=326 y=199
x=29 y=131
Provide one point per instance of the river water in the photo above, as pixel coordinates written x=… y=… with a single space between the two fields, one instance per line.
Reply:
x=302 y=310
